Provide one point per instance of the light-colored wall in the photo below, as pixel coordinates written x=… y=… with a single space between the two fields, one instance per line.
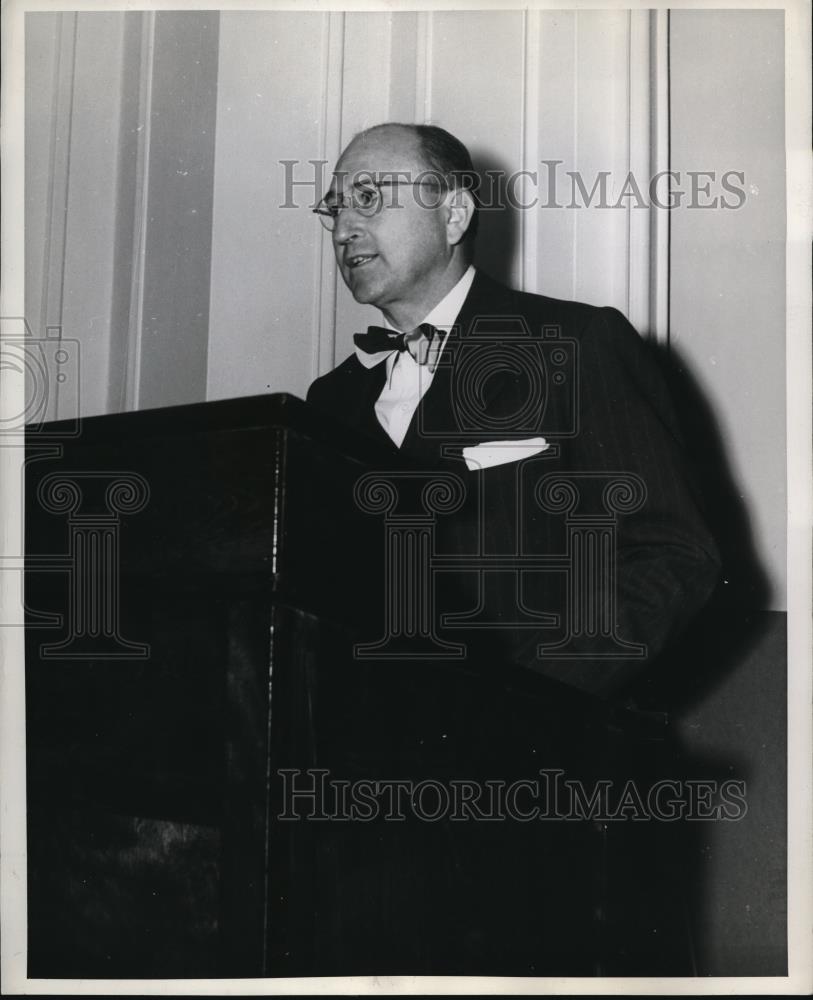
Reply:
x=728 y=330
x=172 y=319
x=120 y=132
x=727 y=281
x=72 y=138
x=265 y=277
x=516 y=86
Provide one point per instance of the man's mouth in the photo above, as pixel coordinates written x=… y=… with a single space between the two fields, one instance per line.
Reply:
x=359 y=260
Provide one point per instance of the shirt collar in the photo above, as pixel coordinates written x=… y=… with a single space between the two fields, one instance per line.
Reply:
x=443 y=317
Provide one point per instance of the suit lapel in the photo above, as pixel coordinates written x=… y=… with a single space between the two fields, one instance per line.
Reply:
x=374 y=379
x=356 y=404
x=441 y=417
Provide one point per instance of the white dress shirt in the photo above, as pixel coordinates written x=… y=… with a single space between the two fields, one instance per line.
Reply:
x=407 y=381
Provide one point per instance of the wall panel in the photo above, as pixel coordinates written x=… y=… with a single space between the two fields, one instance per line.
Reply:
x=72 y=125
x=556 y=152
x=369 y=42
x=602 y=145
x=43 y=44
x=518 y=87
x=477 y=93
x=728 y=268
x=727 y=334
x=118 y=254
x=129 y=250
x=367 y=71
x=87 y=289
x=583 y=124
x=175 y=321
x=265 y=263
x=408 y=66
x=49 y=44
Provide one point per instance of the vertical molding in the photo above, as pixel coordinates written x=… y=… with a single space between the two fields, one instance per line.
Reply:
x=428 y=99
x=639 y=253
x=132 y=364
x=574 y=249
x=529 y=217
x=387 y=59
x=53 y=271
x=323 y=354
x=59 y=172
x=659 y=218
x=403 y=44
x=556 y=125
x=423 y=66
x=178 y=237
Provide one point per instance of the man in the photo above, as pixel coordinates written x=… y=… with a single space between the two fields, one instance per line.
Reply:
x=550 y=413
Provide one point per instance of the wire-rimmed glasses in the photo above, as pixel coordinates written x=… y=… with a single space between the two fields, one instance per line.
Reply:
x=363 y=197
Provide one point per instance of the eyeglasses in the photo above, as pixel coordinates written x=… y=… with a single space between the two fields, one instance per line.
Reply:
x=366 y=199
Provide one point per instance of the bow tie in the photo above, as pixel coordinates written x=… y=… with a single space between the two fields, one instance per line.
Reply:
x=378 y=339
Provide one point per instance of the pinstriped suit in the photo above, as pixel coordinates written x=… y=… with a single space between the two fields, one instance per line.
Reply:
x=611 y=414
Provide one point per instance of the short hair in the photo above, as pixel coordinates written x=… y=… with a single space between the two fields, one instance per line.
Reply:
x=445 y=155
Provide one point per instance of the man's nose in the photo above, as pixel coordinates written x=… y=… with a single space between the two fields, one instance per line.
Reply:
x=349 y=225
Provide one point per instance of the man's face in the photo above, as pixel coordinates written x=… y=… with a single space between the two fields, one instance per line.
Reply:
x=398 y=259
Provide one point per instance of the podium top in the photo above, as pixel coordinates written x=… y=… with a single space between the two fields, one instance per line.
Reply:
x=273 y=411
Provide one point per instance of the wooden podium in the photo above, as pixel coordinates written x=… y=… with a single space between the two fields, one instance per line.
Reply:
x=215 y=750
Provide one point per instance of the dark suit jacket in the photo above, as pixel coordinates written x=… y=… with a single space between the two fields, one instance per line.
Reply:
x=516 y=366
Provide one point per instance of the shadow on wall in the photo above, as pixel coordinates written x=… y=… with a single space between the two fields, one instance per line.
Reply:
x=723 y=683
x=724 y=686
x=744 y=589
x=498 y=233
x=746 y=584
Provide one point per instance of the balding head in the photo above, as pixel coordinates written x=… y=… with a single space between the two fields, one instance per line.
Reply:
x=441 y=154
x=402 y=220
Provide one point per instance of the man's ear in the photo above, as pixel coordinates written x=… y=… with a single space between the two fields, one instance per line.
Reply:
x=460 y=209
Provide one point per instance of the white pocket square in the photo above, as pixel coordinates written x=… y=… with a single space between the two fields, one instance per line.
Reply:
x=483 y=456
